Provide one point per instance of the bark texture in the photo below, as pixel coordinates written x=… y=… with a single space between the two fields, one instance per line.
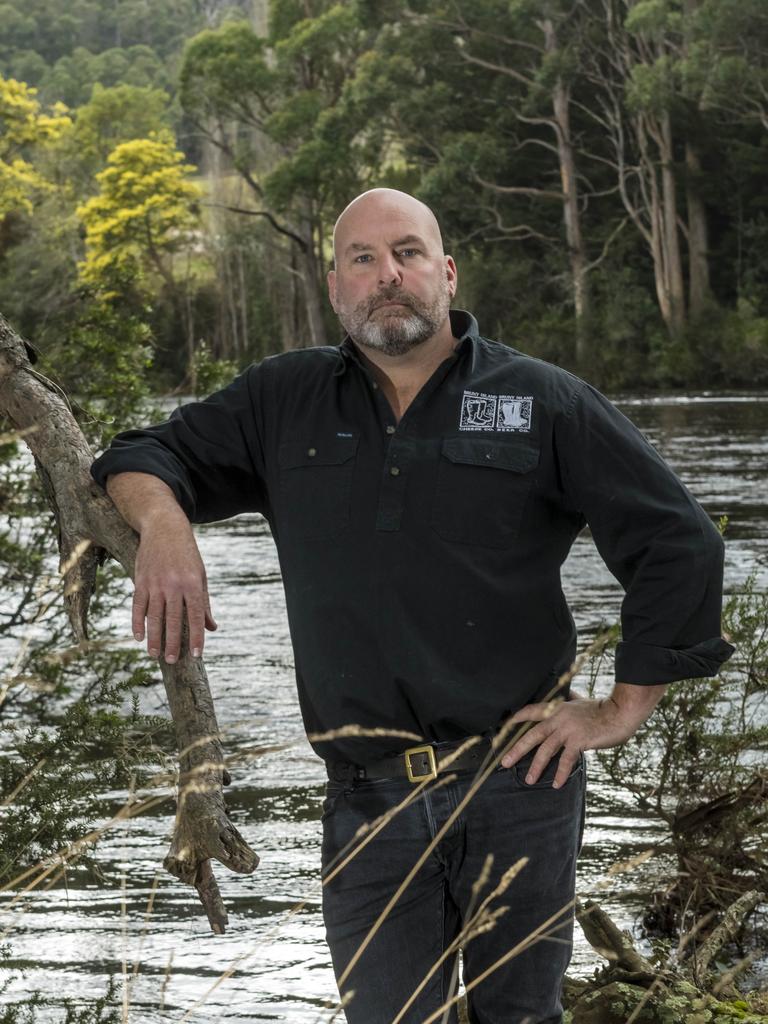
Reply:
x=89 y=529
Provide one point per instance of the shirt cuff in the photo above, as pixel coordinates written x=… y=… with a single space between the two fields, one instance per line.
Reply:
x=646 y=665
x=127 y=462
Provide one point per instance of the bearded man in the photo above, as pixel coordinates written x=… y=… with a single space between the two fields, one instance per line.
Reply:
x=424 y=485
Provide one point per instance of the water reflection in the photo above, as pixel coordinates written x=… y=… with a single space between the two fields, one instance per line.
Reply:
x=75 y=935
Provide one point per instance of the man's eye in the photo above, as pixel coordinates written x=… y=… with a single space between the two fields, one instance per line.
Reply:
x=363 y=257
x=409 y=252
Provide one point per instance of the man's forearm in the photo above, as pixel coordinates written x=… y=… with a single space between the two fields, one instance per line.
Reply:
x=142 y=498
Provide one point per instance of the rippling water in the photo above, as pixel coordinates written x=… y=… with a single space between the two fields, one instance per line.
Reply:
x=70 y=939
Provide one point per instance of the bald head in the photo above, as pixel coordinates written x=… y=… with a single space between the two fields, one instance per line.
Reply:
x=385 y=205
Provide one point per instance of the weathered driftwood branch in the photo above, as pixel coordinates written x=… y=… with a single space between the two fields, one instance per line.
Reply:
x=630 y=988
x=611 y=942
x=90 y=527
x=725 y=932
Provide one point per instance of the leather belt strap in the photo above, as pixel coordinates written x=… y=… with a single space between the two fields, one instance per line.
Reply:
x=415 y=764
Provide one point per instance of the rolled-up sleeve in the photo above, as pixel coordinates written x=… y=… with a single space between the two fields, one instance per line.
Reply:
x=654 y=537
x=210 y=453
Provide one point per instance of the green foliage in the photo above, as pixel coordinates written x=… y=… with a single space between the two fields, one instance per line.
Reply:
x=725 y=347
x=103 y=361
x=698 y=766
x=65 y=50
x=209 y=374
x=226 y=73
x=115 y=115
x=52 y=774
x=654 y=17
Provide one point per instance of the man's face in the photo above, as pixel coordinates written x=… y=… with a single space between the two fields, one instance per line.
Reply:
x=392 y=285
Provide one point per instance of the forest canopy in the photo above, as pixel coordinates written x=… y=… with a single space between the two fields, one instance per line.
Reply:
x=597 y=168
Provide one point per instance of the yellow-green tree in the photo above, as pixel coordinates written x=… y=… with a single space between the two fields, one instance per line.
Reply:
x=146 y=213
x=24 y=125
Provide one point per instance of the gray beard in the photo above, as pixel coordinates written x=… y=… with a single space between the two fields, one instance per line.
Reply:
x=395 y=335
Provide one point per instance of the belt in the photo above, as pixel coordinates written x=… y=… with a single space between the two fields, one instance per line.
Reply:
x=416 y=764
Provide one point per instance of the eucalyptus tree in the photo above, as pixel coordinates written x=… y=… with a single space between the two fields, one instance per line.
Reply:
x=269 y=105
x=536 y=47
x=663 y=72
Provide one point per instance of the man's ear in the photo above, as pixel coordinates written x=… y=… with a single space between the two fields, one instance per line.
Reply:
x=452 y=275
x=331 y=279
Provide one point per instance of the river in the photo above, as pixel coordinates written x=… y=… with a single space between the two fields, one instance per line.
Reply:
x=273 y=963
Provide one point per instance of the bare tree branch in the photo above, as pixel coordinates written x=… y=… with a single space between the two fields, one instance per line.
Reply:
x=89 y=527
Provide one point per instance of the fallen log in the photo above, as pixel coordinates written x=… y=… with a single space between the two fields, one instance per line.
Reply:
x=631 y=990
x=89 y=529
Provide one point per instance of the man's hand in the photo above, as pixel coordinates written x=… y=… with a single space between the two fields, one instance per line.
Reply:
x=170 y=577
x=169 y=574
x=579 y=724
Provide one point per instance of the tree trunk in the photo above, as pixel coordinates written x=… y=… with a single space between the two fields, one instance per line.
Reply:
x=671 y=237
x=577 y=257
x=654 y=233
x=310 y=273
x=698 y=236
x=89 y=527
x=242 y=341
x=698 y=228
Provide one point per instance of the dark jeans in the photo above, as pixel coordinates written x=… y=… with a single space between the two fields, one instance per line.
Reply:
x=507 y=818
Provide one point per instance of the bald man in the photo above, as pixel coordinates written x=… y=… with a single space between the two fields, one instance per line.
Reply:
x=424 y=485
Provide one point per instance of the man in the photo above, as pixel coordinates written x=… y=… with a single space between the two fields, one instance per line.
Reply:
x=424 y=486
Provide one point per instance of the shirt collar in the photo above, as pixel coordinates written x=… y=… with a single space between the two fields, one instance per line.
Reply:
x=463 y=327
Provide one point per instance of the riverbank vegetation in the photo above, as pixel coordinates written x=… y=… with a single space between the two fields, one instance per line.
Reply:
x=597 y=166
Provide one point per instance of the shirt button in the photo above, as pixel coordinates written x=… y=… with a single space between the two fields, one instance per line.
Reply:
x=390 y=429
x=394 y=471
x=374 y=385
x=312 y=452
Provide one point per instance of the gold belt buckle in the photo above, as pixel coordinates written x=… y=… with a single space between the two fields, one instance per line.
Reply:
x=430 y=752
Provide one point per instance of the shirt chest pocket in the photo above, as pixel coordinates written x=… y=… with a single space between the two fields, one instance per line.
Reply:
x=315 y=486
x=482 y=487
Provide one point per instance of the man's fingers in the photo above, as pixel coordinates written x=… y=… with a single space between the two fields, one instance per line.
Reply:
x=544 y=755
x=196 y=616
x=174 y=607
x=155 y=613
x=566 y=764
x=139 y=613
x=526 y=743
x=210 y=622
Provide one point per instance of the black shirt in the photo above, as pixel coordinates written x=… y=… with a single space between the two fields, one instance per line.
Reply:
x=421 y=561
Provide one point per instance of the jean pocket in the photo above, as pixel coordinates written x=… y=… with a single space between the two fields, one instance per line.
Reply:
x=482 y=488
x=333 y=791
x=546 y=778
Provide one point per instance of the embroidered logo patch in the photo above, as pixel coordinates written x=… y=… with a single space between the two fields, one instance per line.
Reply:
x=507 y=413
x=514 y=412
x=478 y=411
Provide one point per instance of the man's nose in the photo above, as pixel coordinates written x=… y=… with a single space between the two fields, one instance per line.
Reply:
x=390 y=271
